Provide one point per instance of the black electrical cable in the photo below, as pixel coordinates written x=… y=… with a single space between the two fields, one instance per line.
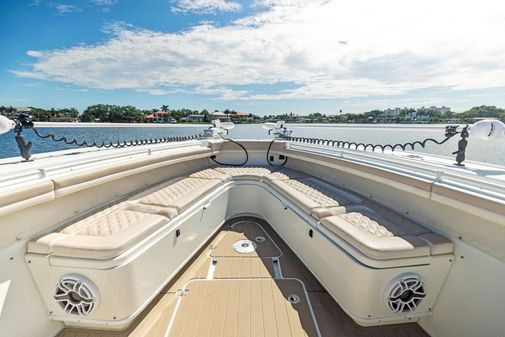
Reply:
x=118 y=144
x=268 y=155
x=450 y=131
x=213 y=157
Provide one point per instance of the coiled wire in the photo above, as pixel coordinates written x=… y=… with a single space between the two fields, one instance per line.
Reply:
x=450 y=131
x=118 y=144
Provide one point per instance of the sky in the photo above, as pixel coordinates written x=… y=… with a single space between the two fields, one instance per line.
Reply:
x=257 y=56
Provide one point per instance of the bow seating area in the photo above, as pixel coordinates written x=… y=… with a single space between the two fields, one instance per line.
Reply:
x=151 y=234
x=110 y=231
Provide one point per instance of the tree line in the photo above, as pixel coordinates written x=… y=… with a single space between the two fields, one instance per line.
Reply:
x=108 y=113
x=105 y=113
x=44 y=115
x=405 y=116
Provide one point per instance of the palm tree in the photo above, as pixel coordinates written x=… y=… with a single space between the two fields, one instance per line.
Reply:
x=164 y=108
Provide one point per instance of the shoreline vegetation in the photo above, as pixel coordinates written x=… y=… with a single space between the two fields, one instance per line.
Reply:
x=105 y=113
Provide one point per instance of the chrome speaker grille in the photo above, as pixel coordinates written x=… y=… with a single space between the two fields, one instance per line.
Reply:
x=76 y=295
x=404 y=293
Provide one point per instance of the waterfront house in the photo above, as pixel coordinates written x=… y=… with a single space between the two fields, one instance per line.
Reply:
x=219 y=115
x=195 y=118
x=389 y=115
x=244 y=116
x=239 y=117
x=158 y=117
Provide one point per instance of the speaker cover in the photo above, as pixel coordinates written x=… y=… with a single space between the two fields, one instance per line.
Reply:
x=76 y=295
x=404 y=293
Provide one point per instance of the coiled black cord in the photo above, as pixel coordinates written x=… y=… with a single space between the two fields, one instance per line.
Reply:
x=268 y=156
x=213 y=157
x=118 y=144
x=450 y=131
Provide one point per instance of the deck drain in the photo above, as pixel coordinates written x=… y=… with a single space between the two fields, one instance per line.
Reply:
x=244 y=246
x=259 y=239
x=294 y=299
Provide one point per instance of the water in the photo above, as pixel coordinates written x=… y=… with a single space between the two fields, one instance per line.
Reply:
x=8 y=145
x=492 y=152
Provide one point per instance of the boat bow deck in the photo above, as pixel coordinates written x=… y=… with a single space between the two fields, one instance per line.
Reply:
x=267 y=292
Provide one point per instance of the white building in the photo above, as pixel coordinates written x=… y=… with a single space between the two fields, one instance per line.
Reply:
x=195 y=118
x=392 y=112
x=443 y=109
x=219 y=115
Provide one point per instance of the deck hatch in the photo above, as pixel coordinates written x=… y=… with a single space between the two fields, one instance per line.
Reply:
x=244 y=246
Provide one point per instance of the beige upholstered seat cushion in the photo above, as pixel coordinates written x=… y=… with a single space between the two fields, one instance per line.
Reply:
x=394 y=217
x=103 y=235
x=439 y=244
x=364 y=238
x=44 y=244
x=110 y=236
x=382 y=238
x=110 y=231
x=373 y=223
x=284 y=174
x=211 y=174
x=114 y=222
x=179 y=193
x=89 y=219
x=248 y=173
x=314 y=196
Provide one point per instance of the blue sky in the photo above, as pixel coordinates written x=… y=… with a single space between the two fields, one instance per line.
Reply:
x=260 y=56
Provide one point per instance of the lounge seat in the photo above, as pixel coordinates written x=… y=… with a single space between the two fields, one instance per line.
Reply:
x=104 y=234
x=211 y=174
x=179 y=194
x=374 y=231
x=108 y=232
x=284 y=174
x=245 y=172
x=314 y=196
x=382 y=238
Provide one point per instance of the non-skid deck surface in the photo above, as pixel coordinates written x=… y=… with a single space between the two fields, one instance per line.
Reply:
x=233 y=294
x=243 y=308
x=245 y=230
x=243 y=268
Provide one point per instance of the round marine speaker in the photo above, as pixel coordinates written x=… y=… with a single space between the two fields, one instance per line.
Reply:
x=76 y=295
x=404 y=293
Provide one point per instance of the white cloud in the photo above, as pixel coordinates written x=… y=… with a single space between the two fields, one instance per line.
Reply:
x=205 y=6
x=325 y=49
x=103 y=5
x=155 y=92
x=63 y=9
x=34 y=53
x=103 y=2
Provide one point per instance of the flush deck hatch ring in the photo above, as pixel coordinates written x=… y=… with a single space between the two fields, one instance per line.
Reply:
x=244 y=246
